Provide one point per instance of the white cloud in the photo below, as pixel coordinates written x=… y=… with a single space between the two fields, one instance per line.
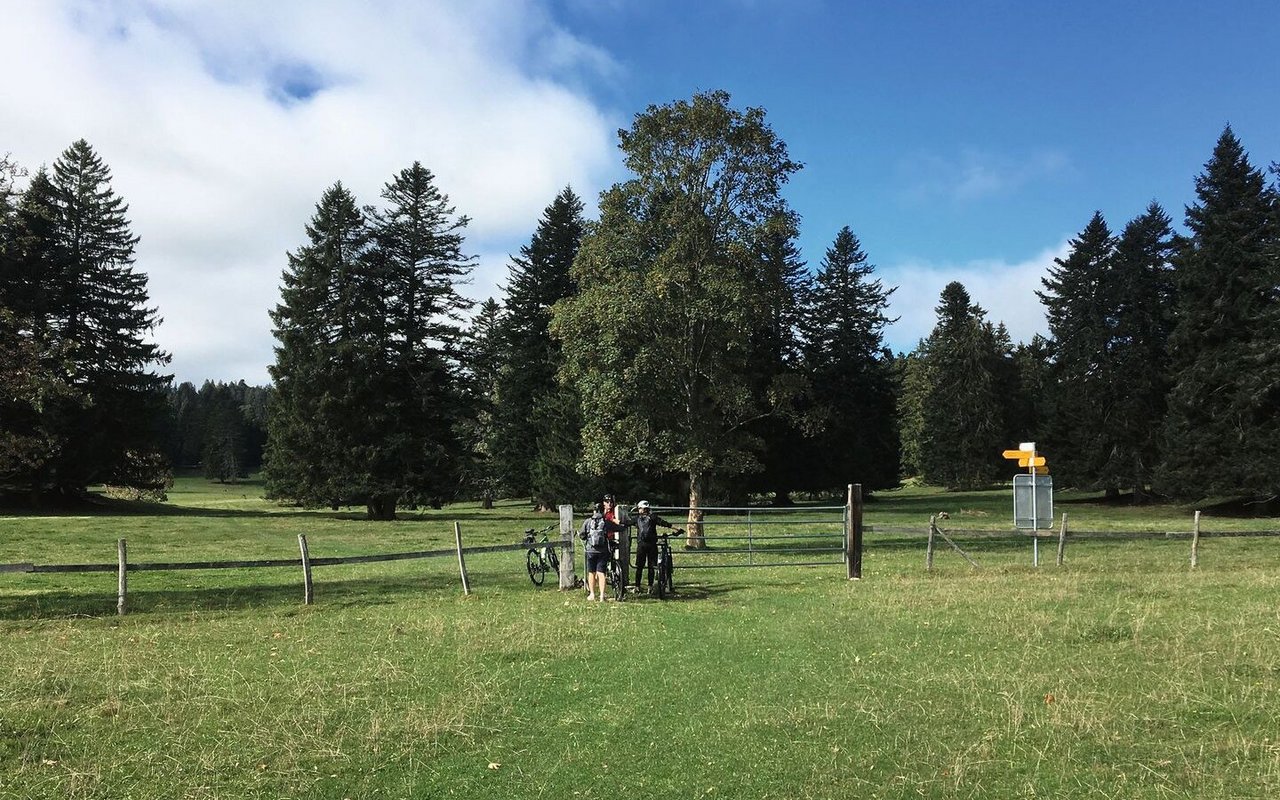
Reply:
x=1006 y=290
x=224 y=122
x=976 y=175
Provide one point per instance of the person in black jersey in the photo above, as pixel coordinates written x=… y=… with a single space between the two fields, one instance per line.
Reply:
x=647 y=524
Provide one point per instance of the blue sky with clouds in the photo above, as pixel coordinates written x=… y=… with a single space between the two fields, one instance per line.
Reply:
x=960 y=141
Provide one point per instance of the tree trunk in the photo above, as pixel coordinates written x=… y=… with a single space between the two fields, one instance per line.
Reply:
x=693 y=530
x=782 y=498
x=1112 y=493
x=381 y=507
x=488 y=502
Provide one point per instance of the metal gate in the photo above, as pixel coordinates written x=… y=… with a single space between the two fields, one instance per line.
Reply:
x=734 y=538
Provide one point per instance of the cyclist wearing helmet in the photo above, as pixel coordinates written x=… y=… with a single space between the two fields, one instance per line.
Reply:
x=647 y=525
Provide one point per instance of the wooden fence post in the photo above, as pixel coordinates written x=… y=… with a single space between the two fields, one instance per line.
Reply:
x=1195 y=541
x=308 y=592
x=568 y=579
x=122 y=582
x=853 y=533
x=928 y=548
x=462 y=564
x=1062 y=538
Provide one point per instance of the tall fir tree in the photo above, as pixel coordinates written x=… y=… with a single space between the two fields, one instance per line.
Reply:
x=1079 y=313
x=370 y=404
x=777 y=366
x=419 y=250
x=1141 y=295
x=310 y=419
x=72 y=280
x=852 y=372
x=530 y=405
x=963 y=420
x=1222 y=429
x=482 y=355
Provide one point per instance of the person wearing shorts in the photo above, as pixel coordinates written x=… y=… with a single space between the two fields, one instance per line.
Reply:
x=597 y=554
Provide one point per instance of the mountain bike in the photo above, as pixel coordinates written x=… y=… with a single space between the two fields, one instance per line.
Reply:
x=665 y=582
x=541 y=557
x=613 y=573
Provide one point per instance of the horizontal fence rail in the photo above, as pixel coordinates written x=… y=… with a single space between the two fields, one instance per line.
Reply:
x=735 y=537
x=122 y=567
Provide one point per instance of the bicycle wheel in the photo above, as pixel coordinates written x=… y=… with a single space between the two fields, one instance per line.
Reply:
x=669 y=567
x=536 y=566
x=660 y=588
x=553 y=560
x=619 y=587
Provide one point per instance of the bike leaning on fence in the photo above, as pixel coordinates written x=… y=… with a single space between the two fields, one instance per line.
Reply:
x=541 y=557
x=665 y=583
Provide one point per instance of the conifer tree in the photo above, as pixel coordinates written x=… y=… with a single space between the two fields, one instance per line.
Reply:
x=962 y=417
x=777 y=366
x=525 y=389
x=370 y=402
x=1079 y=314
x=482 y=355
x=1141 y=300
x=72 y=280
x=1222 y=429
x=311 y=417
x=852 y=373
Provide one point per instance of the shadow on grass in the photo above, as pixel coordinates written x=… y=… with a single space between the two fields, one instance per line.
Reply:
x=107 y=507
x=363 y=592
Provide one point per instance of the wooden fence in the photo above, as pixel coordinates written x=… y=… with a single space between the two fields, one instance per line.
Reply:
x=122 y=567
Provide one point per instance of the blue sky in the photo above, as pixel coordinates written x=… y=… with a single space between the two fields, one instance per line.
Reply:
x=959 y=141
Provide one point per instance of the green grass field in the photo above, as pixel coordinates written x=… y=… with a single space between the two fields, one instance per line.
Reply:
x=1123 y=674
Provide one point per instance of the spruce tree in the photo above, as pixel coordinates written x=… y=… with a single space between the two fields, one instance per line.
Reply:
x=482 y=355
x=1079 y=313
x=74 y=283
x=777 y=366
x=419 y=251
x=1222 y=430
x=1140 y=292
x=962 y=417
x=852 y=373
x=311 y=418
x=370 y=403
x=525 y=389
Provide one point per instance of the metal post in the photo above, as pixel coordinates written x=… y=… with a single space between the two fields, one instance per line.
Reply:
x=1035 y=549
x=751 y=556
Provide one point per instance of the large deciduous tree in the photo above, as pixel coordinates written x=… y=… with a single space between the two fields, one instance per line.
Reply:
x=657 y=341
x=1222 y=430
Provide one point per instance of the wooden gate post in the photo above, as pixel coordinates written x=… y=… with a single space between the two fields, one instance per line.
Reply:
x=1195 y=541
x=1062 y=538
x=308 y=592
x=928 y=548
x=462 y=564
x=567 y=577
x=122 y=581
x=853 y=533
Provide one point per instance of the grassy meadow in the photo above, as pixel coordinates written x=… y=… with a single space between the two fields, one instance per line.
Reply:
x=1123 y=674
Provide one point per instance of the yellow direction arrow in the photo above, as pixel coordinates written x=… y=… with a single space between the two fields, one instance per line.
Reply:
x=1014 y=454
x=1025 y=461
